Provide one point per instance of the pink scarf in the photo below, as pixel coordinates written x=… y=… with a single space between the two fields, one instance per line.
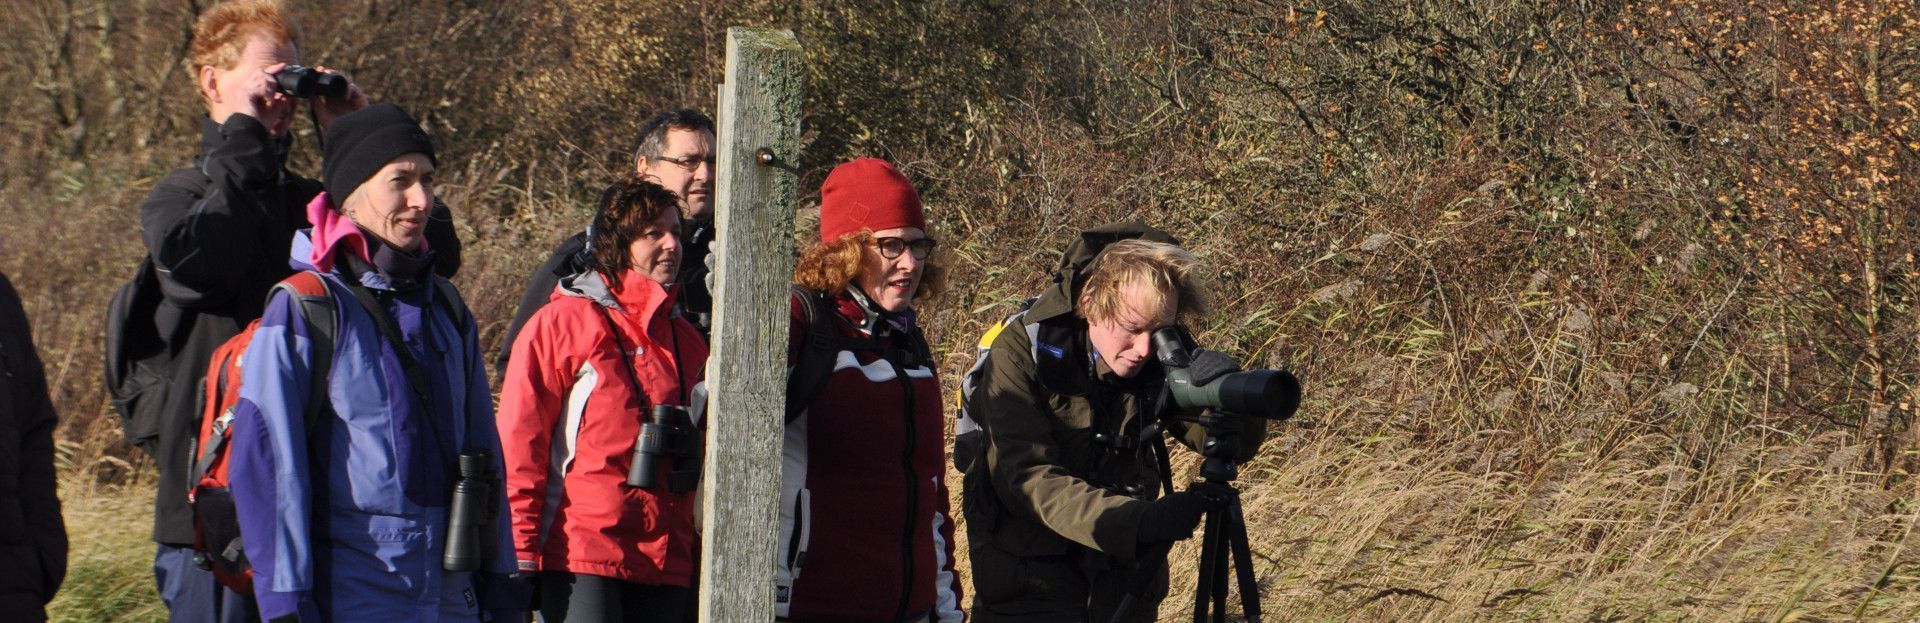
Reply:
x=330 y=230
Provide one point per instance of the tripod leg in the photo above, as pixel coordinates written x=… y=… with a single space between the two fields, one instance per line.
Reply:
x=1210 y=556
x=1243 y=562
x=1219 y=580
x=1217 y=532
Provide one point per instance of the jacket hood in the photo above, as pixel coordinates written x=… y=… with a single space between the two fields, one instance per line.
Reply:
x=298 y=256
x=1059 y=298
x=638 y=294
x=331 y=231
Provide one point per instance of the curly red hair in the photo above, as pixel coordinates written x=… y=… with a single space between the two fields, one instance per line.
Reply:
x=830 y=266
x=223 y=31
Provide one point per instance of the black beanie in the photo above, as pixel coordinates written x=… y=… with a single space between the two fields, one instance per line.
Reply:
x=359 y=143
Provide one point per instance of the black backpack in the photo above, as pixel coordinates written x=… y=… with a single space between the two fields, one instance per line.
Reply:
x=137 y=357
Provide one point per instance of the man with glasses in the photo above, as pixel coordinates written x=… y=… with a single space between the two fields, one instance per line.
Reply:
x=676 y=151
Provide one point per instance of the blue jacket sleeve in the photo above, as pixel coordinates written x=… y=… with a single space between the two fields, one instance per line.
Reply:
x=268 y=473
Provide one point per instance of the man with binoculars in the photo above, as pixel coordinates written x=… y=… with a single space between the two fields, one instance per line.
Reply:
x=218 y=235
x=1066 y=491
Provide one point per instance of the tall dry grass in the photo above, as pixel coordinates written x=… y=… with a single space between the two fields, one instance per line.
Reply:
x=1605 y=310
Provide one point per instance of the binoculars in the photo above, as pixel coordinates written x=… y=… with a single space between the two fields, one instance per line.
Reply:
x=468 y=512
x=298 y=81
x=668 y=432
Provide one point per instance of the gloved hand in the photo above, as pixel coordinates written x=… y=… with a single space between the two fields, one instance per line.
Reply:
x=1211 y=364
x=1174 y=517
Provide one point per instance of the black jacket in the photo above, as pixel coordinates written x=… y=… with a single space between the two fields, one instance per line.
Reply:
x=570 y=258
x=219 y=233
x=33 y=539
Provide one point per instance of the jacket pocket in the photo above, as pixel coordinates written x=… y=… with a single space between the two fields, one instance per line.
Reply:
x=141 y=403
x=978 y=502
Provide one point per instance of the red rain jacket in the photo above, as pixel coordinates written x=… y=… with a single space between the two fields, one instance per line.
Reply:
x=568 y=422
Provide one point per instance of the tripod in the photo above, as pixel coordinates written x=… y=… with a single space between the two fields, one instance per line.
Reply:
x=1223 y=541
x=1225 y=533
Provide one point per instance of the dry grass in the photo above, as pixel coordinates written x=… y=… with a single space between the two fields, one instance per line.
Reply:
x=108 y=506
x=1604 y=313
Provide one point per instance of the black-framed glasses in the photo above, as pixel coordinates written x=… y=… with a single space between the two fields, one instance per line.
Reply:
x=688 y=163
x=891 y=247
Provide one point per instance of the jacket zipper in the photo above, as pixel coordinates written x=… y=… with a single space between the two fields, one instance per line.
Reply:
x=913 y=496
x=799 y=524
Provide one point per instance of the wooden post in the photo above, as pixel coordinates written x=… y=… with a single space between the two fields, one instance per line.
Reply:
x=759 y=110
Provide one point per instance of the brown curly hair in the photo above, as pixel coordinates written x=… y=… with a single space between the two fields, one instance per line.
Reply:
x=626 y=208
x=830 y=266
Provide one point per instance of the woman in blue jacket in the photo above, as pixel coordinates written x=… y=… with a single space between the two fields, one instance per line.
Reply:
x=344 y=511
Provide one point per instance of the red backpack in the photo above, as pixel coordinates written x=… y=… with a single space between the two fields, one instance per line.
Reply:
x=216 y=528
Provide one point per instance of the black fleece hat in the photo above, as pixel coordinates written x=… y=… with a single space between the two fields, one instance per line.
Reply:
x=361 y=142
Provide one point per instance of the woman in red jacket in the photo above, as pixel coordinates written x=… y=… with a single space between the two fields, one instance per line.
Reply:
x=609 y=354
x=864 y=530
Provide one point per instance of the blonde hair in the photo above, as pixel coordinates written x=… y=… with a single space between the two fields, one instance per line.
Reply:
x=1162 y=270
x=223 y=31
x=829 y=266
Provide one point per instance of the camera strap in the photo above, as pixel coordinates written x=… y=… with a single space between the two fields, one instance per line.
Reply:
x=679 y=480
x=1166 y=464
x=620 y=352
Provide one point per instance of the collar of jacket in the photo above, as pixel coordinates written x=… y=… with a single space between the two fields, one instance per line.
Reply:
x=857 y=307
x=638 y=294
x=213 y=135
x=375 y=276
x=345 y=262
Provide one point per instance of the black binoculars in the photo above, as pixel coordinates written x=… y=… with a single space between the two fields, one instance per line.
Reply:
x=297 y=81
x=668 y=432
x=468 y=512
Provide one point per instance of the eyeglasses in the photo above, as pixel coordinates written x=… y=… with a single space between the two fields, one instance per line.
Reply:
x=688 y=163
x=891 y=247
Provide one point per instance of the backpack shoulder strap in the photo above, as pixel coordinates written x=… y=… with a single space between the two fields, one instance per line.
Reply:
x=310 y=291
x=817 y=354
x=971 y=378
x=456 y=305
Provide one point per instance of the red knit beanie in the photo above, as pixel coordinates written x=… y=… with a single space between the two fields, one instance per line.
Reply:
x=867 y=194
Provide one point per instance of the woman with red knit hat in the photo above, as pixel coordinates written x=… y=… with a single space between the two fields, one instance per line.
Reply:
x=864 y=530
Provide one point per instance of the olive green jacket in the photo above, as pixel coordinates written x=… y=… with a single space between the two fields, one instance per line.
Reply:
x=1062 y=464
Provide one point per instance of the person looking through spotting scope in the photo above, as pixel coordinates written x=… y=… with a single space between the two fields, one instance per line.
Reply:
x=1062 y=488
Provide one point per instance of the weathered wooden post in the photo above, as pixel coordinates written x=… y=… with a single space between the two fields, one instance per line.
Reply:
x=759 y=138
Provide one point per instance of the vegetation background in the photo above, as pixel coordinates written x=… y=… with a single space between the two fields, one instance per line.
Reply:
x=1605 y=308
